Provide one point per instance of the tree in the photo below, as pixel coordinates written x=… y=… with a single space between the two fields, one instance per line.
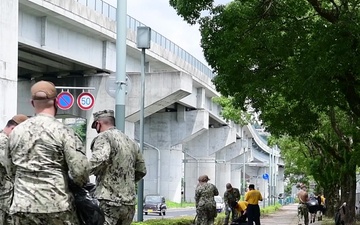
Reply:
x=292 y=60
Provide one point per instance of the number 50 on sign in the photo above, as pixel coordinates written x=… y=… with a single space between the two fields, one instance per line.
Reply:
x=85 y=101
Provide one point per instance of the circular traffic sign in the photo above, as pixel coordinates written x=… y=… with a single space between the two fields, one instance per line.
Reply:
x=265 y=176
x=65 y=100
x=85 y=101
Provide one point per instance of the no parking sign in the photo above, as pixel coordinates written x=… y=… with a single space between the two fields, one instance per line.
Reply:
x=65 y=100
x=85 y=101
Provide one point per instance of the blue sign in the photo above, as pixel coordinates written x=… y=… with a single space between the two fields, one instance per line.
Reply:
x=266 y=176
x=65 y=100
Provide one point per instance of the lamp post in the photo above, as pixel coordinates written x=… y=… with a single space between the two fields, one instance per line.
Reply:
x=120 y=64
x=143 y=39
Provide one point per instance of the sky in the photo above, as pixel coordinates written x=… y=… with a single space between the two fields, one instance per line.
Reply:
x=161 y=17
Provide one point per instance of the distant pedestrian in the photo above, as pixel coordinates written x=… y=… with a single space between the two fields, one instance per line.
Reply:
x=253 y=210
x=6 y=184
x=303 y=211
x=118 y=165
x=205 y=202
x=231 y=197
x=43 y=153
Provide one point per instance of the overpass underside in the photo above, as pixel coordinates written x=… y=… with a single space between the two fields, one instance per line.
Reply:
x=185 y=135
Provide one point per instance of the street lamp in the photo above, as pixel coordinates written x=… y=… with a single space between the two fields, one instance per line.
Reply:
x=142 y=42
x=121 y=31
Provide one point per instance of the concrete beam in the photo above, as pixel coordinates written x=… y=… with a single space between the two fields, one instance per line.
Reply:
x=161 y=90
x=31 y=67
x=43 y=60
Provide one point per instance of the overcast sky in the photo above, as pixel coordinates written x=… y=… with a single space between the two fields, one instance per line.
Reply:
x=161 y=17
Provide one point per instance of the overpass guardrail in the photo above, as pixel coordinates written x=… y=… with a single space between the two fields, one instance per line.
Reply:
x=110 y=11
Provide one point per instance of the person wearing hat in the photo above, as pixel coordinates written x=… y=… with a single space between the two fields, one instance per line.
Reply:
x=252 y=197
x=6 y=186
x=43 y=153
x=205 y=202
x=303 y=210
x=118 y=165
x=231 y=196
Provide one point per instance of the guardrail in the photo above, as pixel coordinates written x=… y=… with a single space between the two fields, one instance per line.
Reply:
x=132 y=24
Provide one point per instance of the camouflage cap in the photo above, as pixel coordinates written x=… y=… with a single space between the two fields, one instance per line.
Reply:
x=203 y=178
x=43 y=90
x=101 y=114
x=19 y=118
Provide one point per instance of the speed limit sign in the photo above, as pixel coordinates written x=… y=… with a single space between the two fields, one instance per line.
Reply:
x=85 y=101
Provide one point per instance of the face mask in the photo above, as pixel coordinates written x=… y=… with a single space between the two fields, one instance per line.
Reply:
x=96 y=125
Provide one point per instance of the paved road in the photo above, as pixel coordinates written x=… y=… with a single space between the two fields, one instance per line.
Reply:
x=286 y=215
x=170 y=213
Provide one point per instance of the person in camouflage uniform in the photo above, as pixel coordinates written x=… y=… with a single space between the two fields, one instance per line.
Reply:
x=231 y=196
x=43 y=153
x=6 y=186
x=117 y=164
x=205 y=202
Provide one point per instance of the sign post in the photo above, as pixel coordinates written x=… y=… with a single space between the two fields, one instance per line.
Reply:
x=266 y=178
x=85 y=101
x=65 y=100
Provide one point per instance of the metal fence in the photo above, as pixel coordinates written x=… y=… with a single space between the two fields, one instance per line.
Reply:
x=132 y=24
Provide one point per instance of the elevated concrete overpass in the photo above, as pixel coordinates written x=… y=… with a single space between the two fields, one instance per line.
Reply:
x=72 y=43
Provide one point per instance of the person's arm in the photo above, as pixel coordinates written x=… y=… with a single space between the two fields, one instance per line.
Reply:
x=101 y=150
x=75 y=158
x=226 y=199
x=260 y=196
x=216 y=191
x=247 y=196
x=197 y=197
x=140 y=168
x=237 y=196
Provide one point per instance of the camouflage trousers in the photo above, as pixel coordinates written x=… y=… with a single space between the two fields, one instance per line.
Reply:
x=59 y=218
x=5 y=219
x=205 y=215
x=303 y=214
x=117 y=215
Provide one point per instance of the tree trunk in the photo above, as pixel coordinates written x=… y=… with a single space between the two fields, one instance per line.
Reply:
x=332 y=196
x=348 y=192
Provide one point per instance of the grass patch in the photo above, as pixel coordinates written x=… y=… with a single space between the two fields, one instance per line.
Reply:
x=171 y=205
x=270 y=209
x=187 y=220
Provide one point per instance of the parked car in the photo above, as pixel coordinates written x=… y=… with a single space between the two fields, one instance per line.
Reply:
x=219 y=203
x=155 y=204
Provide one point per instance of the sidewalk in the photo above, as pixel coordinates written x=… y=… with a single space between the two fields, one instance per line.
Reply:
x=286 y=215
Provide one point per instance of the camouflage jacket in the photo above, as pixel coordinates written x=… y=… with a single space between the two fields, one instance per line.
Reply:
x=117 y=164
x=6 y=186
x=204 y=195
x=231 y=196
x=43 y=153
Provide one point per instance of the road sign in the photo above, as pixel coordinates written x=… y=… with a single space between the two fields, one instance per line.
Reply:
x=85 y=101
x=265 y=176
x=65 y=100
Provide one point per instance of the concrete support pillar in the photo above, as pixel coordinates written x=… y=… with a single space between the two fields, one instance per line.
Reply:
x=9 y=13
x=200 y=98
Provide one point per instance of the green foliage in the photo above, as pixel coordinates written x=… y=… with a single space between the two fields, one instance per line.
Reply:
x=80 y=130
x=177 y=221
x=270 y=209
x=229 y=112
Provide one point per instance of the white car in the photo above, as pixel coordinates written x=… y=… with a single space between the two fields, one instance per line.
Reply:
x=219 y=203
